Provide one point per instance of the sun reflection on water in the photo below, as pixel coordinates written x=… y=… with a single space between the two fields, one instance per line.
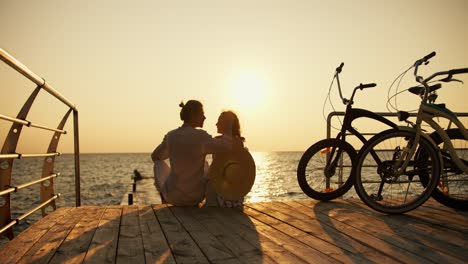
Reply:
x=275 y=177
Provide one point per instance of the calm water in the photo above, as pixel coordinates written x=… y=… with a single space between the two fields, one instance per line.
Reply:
x=105 y=179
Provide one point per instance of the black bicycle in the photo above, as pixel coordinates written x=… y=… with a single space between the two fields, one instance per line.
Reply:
x=325 y=170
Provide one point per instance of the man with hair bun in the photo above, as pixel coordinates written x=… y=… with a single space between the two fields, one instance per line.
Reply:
x=186 y=148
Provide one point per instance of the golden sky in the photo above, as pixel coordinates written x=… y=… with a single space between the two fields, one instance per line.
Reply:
x=128 y=64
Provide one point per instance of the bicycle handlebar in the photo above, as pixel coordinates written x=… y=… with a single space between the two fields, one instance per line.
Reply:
x=424 y=82
x=458 y=71
x=361 y=86
x=449 y=73
x=425 y=60
x=337 y=74
x=428 y=56
x=367 y=85
x=338 y=70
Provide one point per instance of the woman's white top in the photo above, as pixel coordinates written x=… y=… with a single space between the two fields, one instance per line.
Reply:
x=187 y=147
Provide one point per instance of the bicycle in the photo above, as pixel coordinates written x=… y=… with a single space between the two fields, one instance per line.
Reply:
x=406 y=170
x=325 y=169
x=452 y=189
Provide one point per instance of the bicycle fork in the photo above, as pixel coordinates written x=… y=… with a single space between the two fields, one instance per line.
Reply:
x=331 y=165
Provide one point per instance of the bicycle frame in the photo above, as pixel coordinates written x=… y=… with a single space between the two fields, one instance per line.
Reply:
x=352 y=114
x=426 y=113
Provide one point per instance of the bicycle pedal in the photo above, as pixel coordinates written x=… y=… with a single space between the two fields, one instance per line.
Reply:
x=376 y=197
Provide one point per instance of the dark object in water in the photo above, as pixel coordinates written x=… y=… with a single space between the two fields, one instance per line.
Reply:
x=137 y=175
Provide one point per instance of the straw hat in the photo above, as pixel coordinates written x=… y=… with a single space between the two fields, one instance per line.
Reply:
x=233 y=174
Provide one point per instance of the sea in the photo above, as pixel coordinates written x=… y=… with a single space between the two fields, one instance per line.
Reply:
x=105 y=180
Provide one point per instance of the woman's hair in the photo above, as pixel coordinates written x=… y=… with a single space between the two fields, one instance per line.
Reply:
x=236 y=131
x=189 y=109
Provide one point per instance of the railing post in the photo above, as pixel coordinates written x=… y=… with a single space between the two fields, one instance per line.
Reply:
x=6 y=165
x=329 y=117
x=130 y=199
x=47 y=190
x=77 y=158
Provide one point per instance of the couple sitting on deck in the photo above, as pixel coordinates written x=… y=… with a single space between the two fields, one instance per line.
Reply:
x=189 y=181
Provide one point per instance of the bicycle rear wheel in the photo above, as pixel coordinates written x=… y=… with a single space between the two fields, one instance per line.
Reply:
x=452 y=189
x=325 y=169
x=377 y=181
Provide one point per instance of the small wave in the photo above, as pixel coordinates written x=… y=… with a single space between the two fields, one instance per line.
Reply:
x=293 y=193
x=288 y=194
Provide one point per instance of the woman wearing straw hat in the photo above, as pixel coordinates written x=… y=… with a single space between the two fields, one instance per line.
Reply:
x=186 y=147
x=232 y=173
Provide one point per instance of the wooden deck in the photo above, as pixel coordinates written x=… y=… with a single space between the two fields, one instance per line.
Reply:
x=280 y=232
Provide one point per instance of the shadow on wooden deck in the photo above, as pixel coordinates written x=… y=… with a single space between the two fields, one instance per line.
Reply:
x=300 y=231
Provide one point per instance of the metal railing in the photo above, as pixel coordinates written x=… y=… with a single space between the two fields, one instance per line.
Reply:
x=8 y=153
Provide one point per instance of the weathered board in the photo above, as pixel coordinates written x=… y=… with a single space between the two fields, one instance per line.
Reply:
x=300 y=231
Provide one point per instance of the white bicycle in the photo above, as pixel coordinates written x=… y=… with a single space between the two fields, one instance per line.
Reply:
x=409 y=163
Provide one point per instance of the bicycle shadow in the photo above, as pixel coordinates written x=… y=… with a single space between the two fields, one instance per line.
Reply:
x=342 y=235
x=389 y=236
x=443 y=239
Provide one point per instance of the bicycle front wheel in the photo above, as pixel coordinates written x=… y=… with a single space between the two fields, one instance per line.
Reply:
x=452 y=189
x=378 y=181
x=325 y=169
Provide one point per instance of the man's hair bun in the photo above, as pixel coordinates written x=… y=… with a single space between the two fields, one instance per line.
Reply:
x=190 y=109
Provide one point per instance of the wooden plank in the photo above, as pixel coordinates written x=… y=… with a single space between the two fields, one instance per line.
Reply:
x=242 y=243
x=154 y=242
x=212 y=248
x=15 y=249
x=45 y=248
x=306 y=222
x=455 y=221
x=184 y=249
x=286 y=232
x=325 y=239
x=76 y=244
x=130 y=247
x=103 y=247
x=264 y=250
x=451 y=235
x=434 y=214
x=412 y=228
x=398 y=236
x=436 y=205
x=324 y=218
x=304 y=252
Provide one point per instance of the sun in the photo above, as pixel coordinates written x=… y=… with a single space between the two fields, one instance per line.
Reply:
x=248 y=90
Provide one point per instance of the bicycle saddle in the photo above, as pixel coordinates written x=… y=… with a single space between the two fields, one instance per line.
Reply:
x=419 y=90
